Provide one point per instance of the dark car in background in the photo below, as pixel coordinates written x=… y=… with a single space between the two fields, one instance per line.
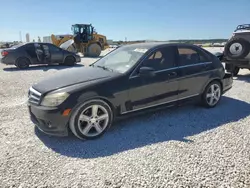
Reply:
x=131 y=78
x=24 y=55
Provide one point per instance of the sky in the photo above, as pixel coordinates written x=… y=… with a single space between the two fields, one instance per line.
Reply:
x=117 y=19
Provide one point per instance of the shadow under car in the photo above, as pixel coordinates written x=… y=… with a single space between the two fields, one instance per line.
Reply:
x=159 y=126
x=42 y=67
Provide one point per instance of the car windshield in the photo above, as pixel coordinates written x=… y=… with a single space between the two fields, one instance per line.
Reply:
x=121 y=59
x=75 y=29
x=243 y=27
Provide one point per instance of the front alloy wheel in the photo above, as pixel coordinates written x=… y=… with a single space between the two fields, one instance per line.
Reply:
x=91 y=119
x=212 y=94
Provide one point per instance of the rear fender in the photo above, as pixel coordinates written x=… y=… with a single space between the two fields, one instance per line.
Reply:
x=209 y=81
x=30 y=60
x=219 y=55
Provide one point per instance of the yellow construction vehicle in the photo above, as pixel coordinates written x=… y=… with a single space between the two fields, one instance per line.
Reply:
x=84 y=40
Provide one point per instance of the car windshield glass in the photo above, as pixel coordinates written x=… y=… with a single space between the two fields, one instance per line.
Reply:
x=243 y=27
x=121 y=59
x=75 y=29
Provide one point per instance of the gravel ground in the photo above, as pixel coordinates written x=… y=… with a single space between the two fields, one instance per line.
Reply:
x=184 y=147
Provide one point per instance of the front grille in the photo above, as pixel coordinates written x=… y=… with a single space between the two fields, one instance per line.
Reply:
x=34 y=96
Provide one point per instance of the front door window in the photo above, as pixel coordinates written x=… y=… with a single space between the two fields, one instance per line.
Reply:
x=162 y=59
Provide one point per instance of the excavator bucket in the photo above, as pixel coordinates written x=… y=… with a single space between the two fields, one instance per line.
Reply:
x=55 y=41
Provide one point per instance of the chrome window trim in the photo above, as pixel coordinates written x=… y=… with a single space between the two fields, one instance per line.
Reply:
x=174 y=68
x=154 y=105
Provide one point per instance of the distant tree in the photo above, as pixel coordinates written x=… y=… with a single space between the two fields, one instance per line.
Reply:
x=39 y=40
x=33 y=40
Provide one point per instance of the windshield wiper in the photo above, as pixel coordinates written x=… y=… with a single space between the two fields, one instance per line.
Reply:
x=105 y=68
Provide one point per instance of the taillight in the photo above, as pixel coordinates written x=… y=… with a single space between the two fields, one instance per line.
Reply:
x=4 y=53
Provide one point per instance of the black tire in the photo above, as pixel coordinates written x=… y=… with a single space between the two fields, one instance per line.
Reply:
x=242 y=54
x=73 y=122
x=22 y=63
x=204 y=98
x=232 y=69
x=236 y=71
x=94 y=50
x=70 y=61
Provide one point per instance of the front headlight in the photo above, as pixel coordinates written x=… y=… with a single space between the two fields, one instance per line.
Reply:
x=54 y=99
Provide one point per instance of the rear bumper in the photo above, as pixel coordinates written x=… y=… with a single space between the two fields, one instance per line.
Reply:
x=5 y=61
x=48 y=120
x=2 y=61
x=227 y=82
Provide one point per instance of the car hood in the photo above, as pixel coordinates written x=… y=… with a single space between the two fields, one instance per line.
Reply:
x=72 y=77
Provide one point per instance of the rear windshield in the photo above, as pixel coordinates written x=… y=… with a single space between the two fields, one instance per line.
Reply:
x=16 y=46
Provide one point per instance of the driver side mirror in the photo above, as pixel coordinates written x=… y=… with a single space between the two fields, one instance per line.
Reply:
x=146 y=71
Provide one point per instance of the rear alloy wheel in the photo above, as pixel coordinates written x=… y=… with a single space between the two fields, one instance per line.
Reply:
x=91 y=120
x=212 y=94
x=70 y=61
x=23 y=63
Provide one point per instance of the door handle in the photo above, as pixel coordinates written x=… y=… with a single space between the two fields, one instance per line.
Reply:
x=172 y=74
x=206 y=66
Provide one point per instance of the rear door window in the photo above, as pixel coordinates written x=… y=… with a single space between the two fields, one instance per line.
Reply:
x=191 y=56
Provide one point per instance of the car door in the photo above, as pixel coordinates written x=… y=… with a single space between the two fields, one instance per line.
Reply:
x=161 y=86
x=56 y=54
x=195 y=67
x=39 y=53
x=47 y=54
x=31 y=52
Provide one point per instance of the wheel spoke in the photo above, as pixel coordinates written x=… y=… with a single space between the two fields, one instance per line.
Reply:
x=98 y=128
x=211 y=100
x=216 y=97
x=212 y=88
x=94 y=110
x=102 y=117
x=217 y=90
x=84 y=118
x=86 y=130
x=209 y=95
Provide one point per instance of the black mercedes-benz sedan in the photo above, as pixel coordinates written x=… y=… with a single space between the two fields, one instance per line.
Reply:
x=131 y=78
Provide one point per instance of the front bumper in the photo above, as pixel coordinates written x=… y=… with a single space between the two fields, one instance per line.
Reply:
x=78 y=59
x=49 y=120
x=227 y=82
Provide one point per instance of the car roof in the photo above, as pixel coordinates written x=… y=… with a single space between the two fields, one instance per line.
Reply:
x=38 y=43
x=150 y=45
